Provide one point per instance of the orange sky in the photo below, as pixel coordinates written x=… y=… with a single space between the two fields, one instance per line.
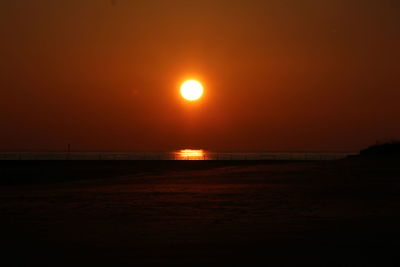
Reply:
x=278 y=75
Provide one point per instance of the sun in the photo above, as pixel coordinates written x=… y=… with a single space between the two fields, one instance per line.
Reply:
x=192 y=90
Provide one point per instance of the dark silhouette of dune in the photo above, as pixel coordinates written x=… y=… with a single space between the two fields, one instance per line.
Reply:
x=391 y=149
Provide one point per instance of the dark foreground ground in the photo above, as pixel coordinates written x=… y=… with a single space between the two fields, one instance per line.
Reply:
x=342 y=213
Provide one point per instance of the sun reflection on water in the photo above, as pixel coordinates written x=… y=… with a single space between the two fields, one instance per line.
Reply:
x=190 y=154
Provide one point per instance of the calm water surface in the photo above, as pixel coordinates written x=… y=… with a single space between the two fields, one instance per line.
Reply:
x=183 y=154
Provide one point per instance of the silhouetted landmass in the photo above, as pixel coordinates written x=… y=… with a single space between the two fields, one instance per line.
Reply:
x=391 y=149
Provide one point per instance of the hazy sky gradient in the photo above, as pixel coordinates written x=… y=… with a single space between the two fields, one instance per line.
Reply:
x=279 y=75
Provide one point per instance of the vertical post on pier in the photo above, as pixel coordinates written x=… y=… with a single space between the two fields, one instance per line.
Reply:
x=68 y=151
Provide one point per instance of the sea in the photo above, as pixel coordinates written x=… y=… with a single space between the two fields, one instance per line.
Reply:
x=182 y=154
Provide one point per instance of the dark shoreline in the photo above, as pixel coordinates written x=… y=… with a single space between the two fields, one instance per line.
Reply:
x=285 y=213
x=14 y=172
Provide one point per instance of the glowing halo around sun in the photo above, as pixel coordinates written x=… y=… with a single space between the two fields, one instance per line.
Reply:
x=192 y=90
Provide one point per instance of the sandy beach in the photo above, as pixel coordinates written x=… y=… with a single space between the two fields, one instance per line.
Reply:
x=331 y=213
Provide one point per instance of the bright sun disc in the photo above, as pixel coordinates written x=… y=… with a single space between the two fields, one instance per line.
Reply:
x=191 y=90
